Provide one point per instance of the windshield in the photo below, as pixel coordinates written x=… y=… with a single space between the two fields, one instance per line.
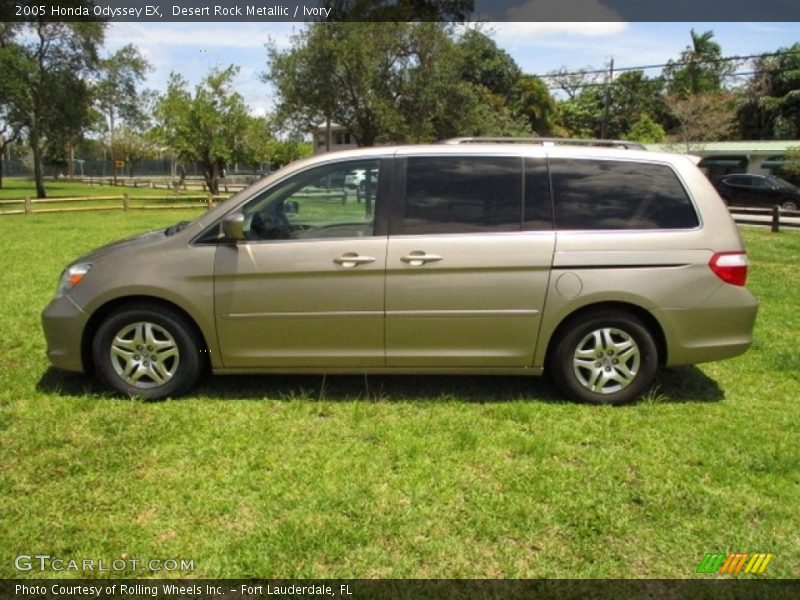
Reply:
x=781 y=183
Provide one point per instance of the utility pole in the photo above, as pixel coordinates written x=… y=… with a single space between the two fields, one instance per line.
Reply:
x=609 y=83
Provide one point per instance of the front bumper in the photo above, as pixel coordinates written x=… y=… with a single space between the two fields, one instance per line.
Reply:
x=63 y=323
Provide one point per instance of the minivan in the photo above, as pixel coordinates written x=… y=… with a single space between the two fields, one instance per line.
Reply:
x=595 y=265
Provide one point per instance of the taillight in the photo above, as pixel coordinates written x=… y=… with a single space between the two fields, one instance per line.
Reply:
x=731 y=267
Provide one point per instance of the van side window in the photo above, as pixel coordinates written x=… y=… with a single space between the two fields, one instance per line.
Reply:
x=538 y=213
x=462 y=194
x=605 y=194
x=330 y=201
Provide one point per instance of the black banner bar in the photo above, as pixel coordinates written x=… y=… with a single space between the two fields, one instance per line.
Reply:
x=401 y=10
x=396 y=589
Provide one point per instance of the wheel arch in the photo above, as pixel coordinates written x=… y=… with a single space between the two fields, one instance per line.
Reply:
x=103 y=311
x=643 y=314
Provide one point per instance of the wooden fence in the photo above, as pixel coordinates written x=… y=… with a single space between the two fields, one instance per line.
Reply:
x=774 y=217
x=164 y=183
x=30 y=206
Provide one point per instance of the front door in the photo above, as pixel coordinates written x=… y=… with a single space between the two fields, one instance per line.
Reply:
x=306 y=287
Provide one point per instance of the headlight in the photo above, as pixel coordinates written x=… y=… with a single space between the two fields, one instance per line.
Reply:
x=71 y=277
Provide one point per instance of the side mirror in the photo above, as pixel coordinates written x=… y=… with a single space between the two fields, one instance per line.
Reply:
x=233 y=226
x=291 y=207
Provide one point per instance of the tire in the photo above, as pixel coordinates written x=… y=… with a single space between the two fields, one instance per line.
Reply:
x=146 y=351
x=789 y=204
x=606 y=357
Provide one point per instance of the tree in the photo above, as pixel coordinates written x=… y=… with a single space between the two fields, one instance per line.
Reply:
x=10 y=131
x=45 y=79
x=132 y=146
x=571 y=83
x=645 y=130
x=791 y=168
x=700 y=68
x=703 y=117
x=8 y=137
x=209 y=127
x=771 y=107
x=116 y=92
x=482 y=62
x=356 y=74
x=391 y=82
x=628 y=97
x=535 y=104
x=282 y=152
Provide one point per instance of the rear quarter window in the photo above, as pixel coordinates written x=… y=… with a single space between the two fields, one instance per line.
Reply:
x=606 y=194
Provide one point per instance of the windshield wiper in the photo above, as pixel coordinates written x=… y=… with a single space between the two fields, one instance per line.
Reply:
x=175 y=228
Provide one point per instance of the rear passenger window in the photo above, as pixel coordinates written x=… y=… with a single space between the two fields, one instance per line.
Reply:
x=462 y=194
x=597 y=194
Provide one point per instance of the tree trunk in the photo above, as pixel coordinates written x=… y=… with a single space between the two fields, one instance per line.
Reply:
x=2 y=165
x=212 y=177
x=113 y=150
x=71 y=168
x=38 y=169
x=327 y=134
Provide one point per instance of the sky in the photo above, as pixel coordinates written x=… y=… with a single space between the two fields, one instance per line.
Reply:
x=192 y=49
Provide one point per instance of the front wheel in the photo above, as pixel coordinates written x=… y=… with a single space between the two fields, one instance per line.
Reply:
x=607 y=357
x=147 y=352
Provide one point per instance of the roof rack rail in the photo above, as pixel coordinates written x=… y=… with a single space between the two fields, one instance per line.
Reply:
x=545 y=141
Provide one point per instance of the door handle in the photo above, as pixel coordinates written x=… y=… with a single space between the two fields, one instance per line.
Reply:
x=417 y=258
x=353 y=259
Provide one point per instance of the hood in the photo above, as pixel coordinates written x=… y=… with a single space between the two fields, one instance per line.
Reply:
x=137 y=240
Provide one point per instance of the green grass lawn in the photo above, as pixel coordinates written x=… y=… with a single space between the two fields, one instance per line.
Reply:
x=396 y=476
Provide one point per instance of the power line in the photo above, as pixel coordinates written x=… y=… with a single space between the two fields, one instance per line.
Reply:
x=675 y=64
x=665 y=79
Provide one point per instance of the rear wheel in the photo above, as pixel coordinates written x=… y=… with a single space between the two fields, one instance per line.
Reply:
x=606 y=357
x=149 y=352
x=789 y=204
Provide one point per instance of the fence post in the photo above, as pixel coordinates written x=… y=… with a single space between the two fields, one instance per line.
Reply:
x=125 y=202
x=776 y=219
x=28 y=206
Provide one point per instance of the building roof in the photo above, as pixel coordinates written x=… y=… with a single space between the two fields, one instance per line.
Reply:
x=742 y=147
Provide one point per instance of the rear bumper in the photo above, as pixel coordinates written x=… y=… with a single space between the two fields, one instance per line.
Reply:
x=721 y=328
x=63 y=324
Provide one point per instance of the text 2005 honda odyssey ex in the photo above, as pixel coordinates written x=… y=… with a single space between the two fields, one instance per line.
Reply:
x=593 y=264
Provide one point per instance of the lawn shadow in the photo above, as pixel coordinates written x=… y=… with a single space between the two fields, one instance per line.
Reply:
x=335 y=388
x=67 y=383
x=384 y=388
x=685 y=384
x=681 y=384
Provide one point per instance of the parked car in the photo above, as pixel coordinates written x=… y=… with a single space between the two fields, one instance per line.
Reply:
x=758 y=191
x=595 y=265
x=357 y=179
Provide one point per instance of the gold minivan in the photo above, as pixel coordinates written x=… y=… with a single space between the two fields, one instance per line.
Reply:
x=593 y=264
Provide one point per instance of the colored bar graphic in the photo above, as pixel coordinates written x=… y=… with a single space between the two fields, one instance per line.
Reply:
x=711 y=563
x=734 y=564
